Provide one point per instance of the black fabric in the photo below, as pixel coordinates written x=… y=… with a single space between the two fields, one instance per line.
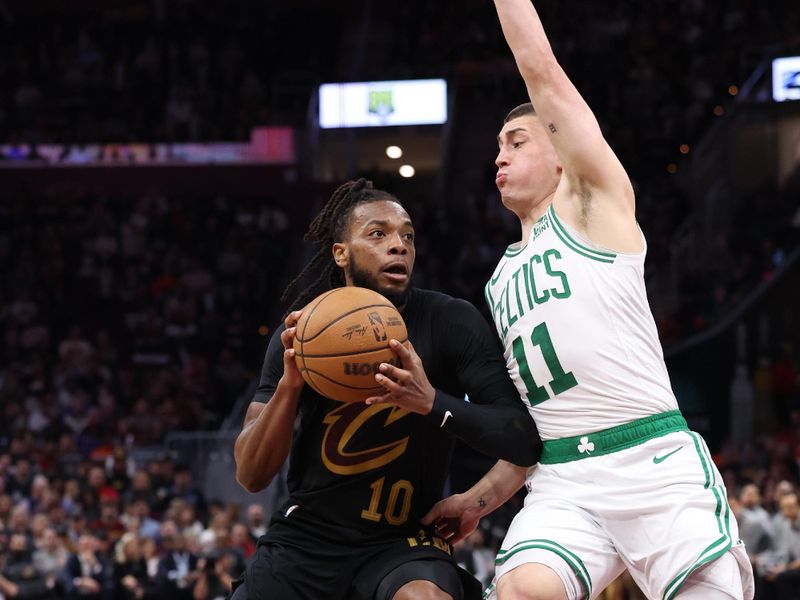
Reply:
x=363 y=474
x=290 y=563
x=441 y=573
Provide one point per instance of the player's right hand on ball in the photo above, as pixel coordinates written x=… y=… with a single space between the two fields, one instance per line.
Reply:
x=291 y=374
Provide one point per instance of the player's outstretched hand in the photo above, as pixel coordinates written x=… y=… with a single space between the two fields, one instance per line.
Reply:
x=291 y=374
x=453 y=518
x=407 y=387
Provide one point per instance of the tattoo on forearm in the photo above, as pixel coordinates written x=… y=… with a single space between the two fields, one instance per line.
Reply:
x=552 y=128
x=481 y=502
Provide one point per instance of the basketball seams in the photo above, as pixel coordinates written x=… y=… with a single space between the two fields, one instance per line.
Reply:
x=367 y=351
x=337 y=368
x=308 y=318
x=342 y=316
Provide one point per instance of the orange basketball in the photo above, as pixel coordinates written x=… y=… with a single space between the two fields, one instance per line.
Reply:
x=342 y=337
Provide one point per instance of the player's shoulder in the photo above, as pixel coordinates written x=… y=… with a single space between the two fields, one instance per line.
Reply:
x=443 y=306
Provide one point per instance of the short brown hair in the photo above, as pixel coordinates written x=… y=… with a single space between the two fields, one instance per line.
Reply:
x=523 y=110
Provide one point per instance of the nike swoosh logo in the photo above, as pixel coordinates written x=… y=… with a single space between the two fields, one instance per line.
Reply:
x=447 y=415
x=660 y=459
x=494 y=279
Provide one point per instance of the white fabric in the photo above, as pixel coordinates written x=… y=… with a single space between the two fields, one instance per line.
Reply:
x=661 y=519
x=592 y=305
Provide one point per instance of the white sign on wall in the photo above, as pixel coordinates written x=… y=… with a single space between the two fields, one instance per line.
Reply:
x=786 y=78
x=383 y=103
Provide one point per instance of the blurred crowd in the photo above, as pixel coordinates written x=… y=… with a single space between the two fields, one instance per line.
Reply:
x=124 y=319
x=99 y=526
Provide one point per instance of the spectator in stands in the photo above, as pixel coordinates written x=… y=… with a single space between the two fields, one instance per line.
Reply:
x=131 y=580
x=87 y=574
x=177 y=569
x=256 y=521
x=755 y=523
x=780 y=568
x=50 y=556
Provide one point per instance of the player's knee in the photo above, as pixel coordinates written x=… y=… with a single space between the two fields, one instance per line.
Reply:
x=531 y=582
x=421 y=590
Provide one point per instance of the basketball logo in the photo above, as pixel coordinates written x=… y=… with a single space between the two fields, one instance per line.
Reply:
x=335 y=352
x=377 y=327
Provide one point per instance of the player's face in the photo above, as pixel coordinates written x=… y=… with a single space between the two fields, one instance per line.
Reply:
x=379 y=252
x=528 y=168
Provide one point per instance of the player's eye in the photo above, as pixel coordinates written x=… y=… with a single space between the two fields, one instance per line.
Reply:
x=376 y=233
x=517 y=144
x=409 y=237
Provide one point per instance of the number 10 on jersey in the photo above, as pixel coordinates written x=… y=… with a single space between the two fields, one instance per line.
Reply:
x=560 y=381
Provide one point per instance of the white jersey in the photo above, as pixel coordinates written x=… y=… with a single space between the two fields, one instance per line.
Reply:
x=580 y=341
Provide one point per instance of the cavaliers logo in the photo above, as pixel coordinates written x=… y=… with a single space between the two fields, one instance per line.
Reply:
x=343 y=423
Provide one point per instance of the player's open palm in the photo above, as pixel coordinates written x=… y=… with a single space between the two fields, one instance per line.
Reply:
x=452 y=518
x=291 y=374
x=407 y=387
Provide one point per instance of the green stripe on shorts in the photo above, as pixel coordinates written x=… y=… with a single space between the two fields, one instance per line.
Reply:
x=575 y=563
x=614 y=439
x=721 y=513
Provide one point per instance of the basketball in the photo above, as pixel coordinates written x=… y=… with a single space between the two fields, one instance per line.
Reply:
x=342 y=337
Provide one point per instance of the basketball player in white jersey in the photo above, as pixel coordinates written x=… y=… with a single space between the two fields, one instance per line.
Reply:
x=622 y=482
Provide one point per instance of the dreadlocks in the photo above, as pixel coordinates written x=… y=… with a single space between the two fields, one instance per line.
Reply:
x=327 y=228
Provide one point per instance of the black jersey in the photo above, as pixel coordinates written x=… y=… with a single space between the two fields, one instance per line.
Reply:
x=367 y=473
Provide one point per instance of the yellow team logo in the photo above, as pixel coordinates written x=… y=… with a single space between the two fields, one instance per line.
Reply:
x=343 y=423
x=381 y=102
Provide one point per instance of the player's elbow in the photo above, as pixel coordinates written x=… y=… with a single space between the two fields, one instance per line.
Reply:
x=251 y=482
x=538 y=67
x=528 y=451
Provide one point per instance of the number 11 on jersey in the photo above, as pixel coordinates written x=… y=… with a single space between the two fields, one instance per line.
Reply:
x=560 y=382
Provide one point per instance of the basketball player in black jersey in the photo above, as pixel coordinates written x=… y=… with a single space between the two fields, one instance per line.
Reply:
x=362 y=475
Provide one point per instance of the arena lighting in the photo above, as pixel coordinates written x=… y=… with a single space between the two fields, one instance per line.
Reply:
x=406 y=171
x=786 y=78
x=383 y=103
x=394 y=151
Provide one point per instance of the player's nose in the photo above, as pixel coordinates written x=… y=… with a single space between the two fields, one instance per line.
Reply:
x=397 y=244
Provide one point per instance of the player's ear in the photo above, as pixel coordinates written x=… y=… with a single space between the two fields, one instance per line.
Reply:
x=341 y=255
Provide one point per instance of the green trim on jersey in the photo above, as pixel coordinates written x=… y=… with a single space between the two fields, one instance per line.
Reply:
x=572 y=559
x=610 y=440
x=511 y=252
x=488 y=293
x=575 y=245
x=722 y=514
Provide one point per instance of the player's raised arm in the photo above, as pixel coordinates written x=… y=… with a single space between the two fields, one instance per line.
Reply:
x=589 y=163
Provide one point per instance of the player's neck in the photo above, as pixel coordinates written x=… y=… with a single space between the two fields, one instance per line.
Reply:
x=528 y=218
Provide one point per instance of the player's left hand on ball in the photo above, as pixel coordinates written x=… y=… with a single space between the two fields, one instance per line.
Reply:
x=407 y=387
x=291 y=374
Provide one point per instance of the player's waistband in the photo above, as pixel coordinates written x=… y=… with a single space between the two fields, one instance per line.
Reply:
x=613 y=439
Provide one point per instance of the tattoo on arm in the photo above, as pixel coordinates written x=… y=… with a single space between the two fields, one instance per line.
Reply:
x=552 y=128
x=481 y=502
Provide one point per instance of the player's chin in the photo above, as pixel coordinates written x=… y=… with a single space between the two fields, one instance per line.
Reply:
x=395 y=291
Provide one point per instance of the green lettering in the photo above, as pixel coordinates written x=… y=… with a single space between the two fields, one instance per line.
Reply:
x=536 y=297
x=536 y=393
x=516 y=289
x=527 y=285
x=565 y=291
x=511 y=318
x=503 y=326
